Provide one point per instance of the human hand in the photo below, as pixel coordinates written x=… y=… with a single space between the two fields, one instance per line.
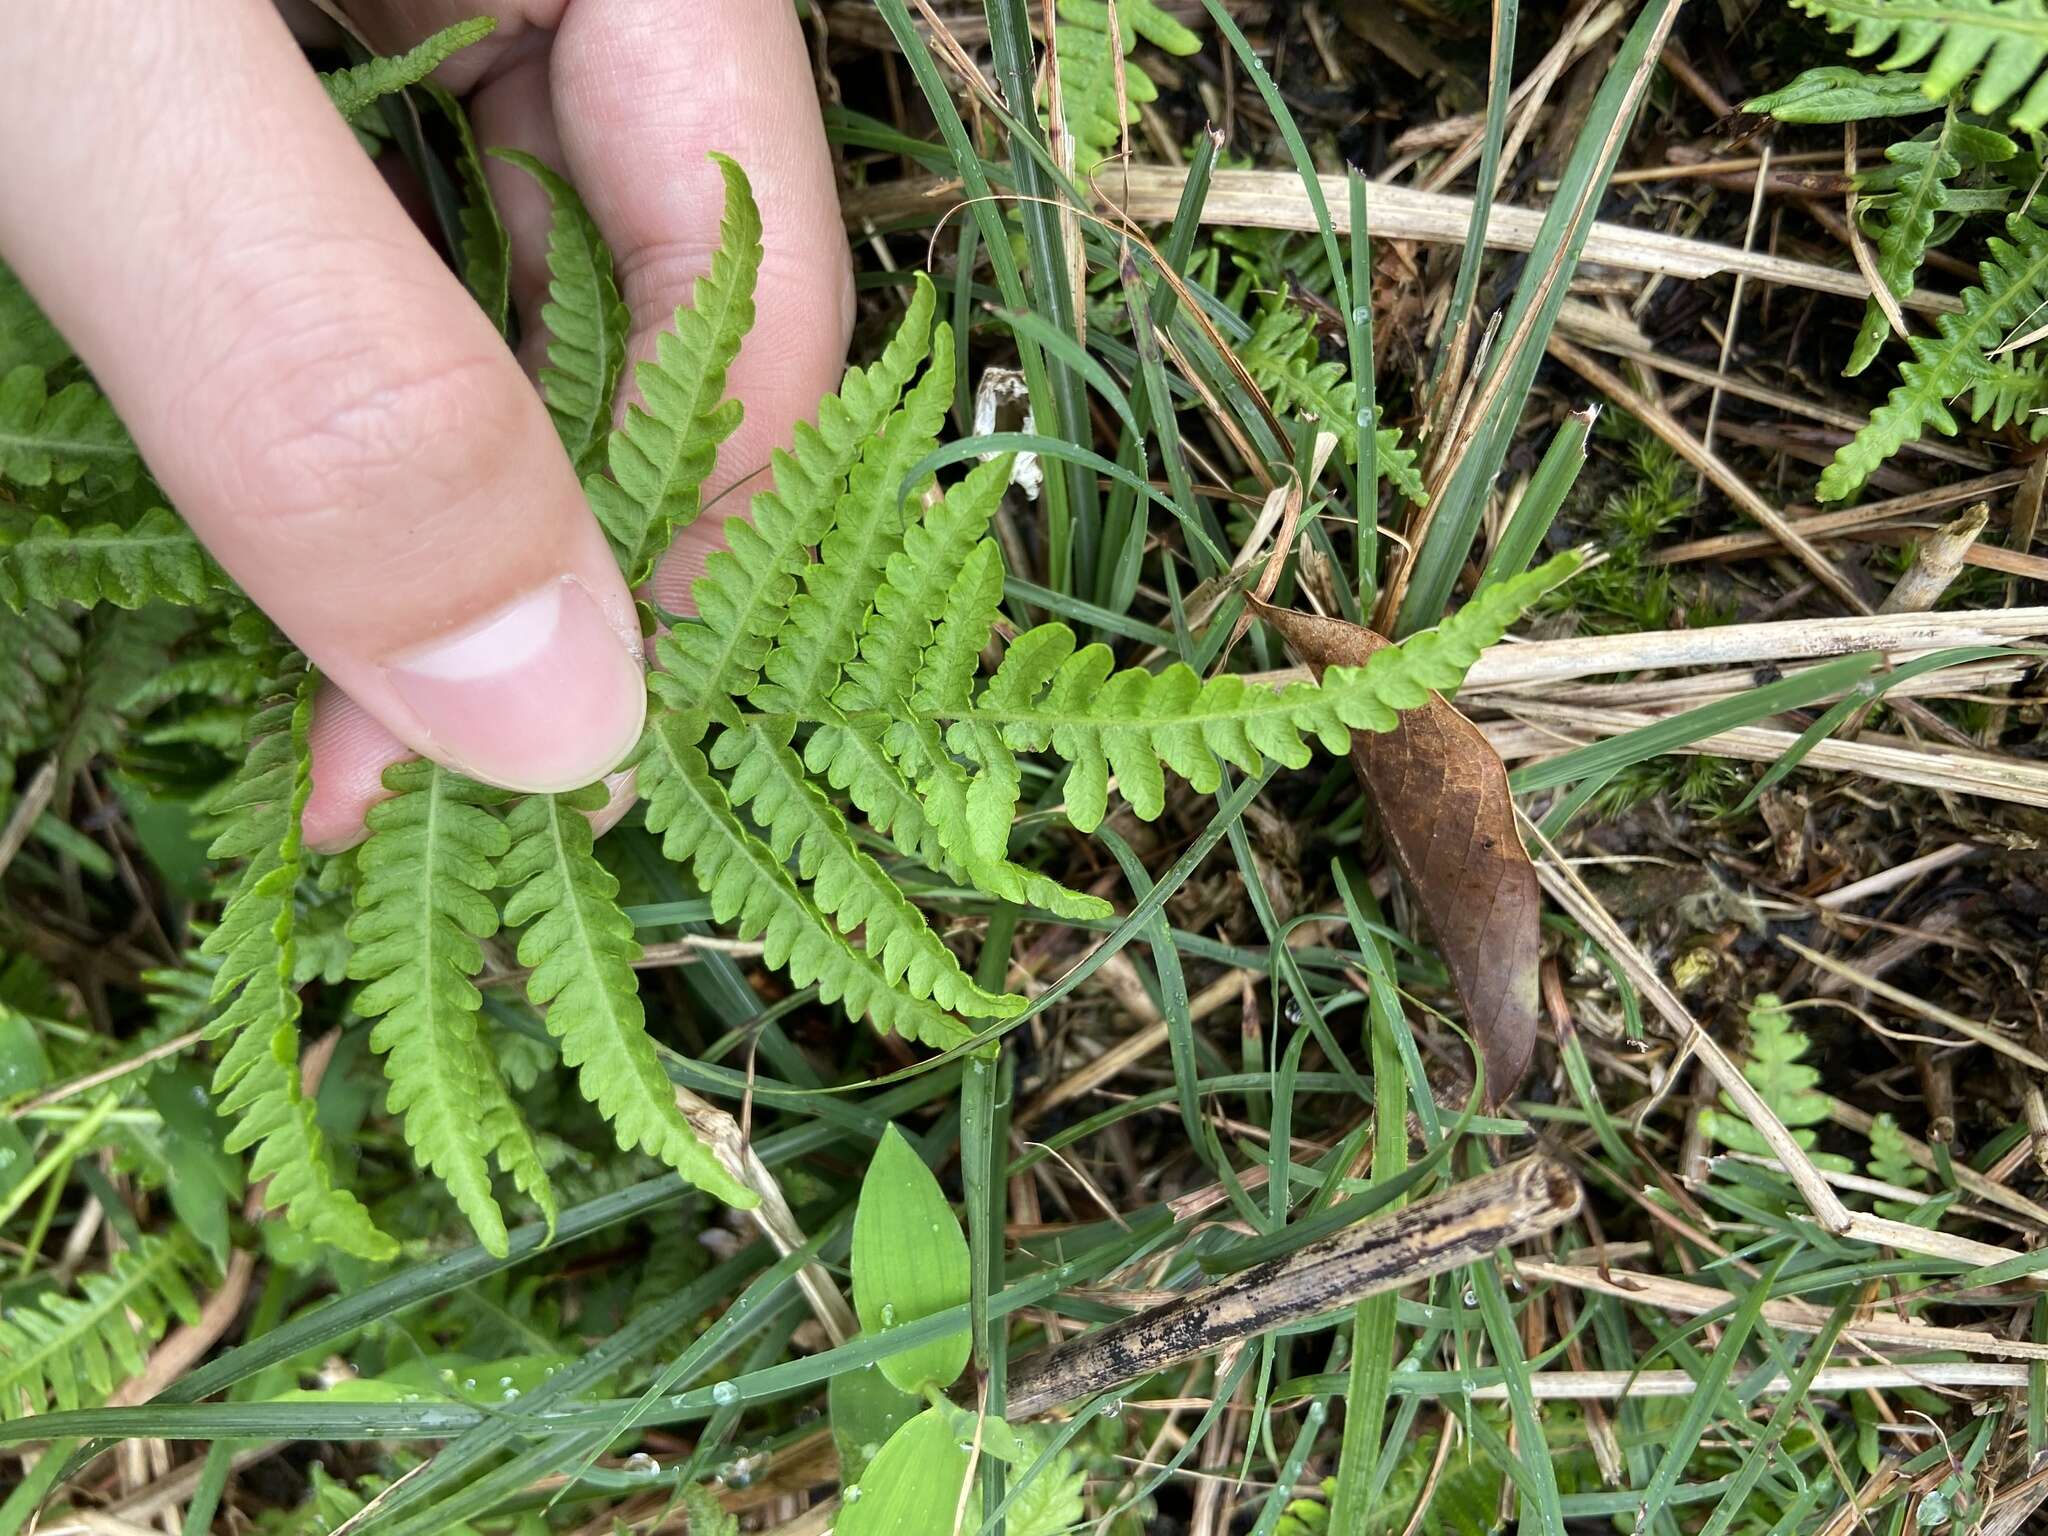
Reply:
x=328 y=408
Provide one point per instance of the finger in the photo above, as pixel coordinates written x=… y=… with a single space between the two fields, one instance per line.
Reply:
x=350 y=752
x=337 y=420
x=643 y=91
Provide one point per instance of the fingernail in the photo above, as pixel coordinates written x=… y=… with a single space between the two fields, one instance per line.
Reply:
x=542 y=695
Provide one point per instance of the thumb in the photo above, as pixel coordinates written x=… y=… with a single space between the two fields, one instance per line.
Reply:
x=344 y=430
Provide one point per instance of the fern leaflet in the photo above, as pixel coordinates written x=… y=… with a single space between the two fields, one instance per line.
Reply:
x=421 y=907
x=1953 y=363
x=486 y=247
x=745 y=589
x=665 y=449
x=581 y=950
x=1282 y=357
x=1089 y=69
x=156 y=559
x=586 y=320
x=748 y=886
x=355 y=89
x=2007 y=39
x=58 y=439
x=1783 y=1080
x=63 y=1351
x=258 y=1077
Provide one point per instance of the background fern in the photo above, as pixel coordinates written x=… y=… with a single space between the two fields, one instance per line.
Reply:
x=1954 y=39
x=1088 y=69
x=66 y=1351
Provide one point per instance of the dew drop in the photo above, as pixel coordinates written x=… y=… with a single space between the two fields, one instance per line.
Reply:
x=888 y=1314
x=1112 y=1408
x=469 y=1383
x=851 y=1494
x=725 y=1394
x=1471 y=1297
x=1360 y=315
x=640 y=1464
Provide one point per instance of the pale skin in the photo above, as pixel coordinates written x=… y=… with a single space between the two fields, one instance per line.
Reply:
x=324 y=403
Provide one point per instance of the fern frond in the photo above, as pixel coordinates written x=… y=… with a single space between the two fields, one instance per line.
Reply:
x=2007 y=39
x=486 y=246
x=1282 y=358
x=586 y=319
x=822 y=625
x=665 y=449
x=1782 y=1079
x=157 y=559
x=360 y=86
x=38 y=648
x=1901 y=215
x=847 y=885
x=58 y=439
x=581 y=950
x=258 y=1077
x=1088 y=69
x=422 y=908
x=1134 y=722
x=124 y=649
x=917 y=581
x=26 y=335
x=745 y=590
x=1839 y=93
x=70 y=1351
x=747 y=885
x=1953 y=363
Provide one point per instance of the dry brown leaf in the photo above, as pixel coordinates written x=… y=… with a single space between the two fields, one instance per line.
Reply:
x=1441 y=793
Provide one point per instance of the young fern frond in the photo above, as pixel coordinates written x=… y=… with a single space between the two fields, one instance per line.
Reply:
x=665 y=449
x=59 y=439
x=360 y=86
x=586 y=320
x=422 y=905
x=157 y=559
x=581 y=950
x=64 y=1351
x=749 y=887
x=1281 y=356
x=1046 y=695
x=2007 y=39
x=1089 y=69
x=821 y=630
x=258 y=1077
x=744 y=593
x=37 y=649
x=1902 y=216
x=486 y=246
x=1840 y=93
x=1776 y=1070
x=1954 y=364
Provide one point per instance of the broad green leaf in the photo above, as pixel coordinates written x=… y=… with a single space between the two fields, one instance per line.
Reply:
x=909 y=1261
x=914 y=1486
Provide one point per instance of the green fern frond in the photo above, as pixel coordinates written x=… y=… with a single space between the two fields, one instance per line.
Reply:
x=1046 y=694
x=258 y=1077
x=846 y=884
x=1954 y=364
x=422 y=908
x=26 y=335
x=917 y=581
x=360 y=86
x=157 y=559
x=1891 y=1162
x=745 y=590
x=1088 y=69
x=1839 y=93
x=586 y=320
x=1776 y=1070
x=124 y=649
x=1282 y=358
x=2006 y=39
x=665 y=449
x=581 y=950
x=486 y=246
x=38 y=649
x=69 y=1351
x=748 y=886
x=822 y=626
x=58 y=439
x=1901 y=216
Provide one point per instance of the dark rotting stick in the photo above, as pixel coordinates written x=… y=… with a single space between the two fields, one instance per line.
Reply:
x=1465 y=1224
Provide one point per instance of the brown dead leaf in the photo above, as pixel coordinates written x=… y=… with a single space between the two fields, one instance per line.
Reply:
x=1441 y=793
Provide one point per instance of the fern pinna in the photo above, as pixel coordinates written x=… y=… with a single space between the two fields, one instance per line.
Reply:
x=823 y=722
x=2007 y=40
